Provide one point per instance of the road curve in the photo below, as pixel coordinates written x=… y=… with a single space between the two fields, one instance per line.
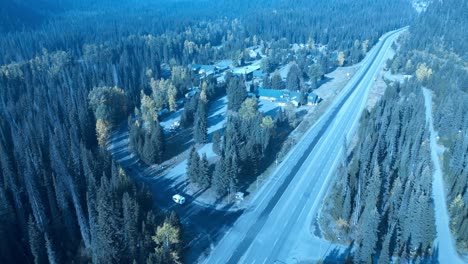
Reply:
x=270 y=227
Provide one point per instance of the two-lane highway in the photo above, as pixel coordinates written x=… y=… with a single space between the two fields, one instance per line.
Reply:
x=267 y=231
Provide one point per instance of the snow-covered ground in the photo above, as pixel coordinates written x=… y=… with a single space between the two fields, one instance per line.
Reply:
x=253 y=66
x=167 y=122
x=217 y=114
x=378 y=90
x=267 y=107
x=335 y=80
x=284 y=71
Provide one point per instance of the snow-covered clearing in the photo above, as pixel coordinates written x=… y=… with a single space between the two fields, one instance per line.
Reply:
x=336 y=80
x=167 y=122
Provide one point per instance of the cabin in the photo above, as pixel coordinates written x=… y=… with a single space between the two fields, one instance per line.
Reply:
x=247 y=71
x=223 y=65
x=203 y=70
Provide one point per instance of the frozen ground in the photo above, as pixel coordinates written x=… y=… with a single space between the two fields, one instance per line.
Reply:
x=217 y=114
x=284 y=71
x=335 y=80
x=167 y=122
x=267 y=107
x=378 y=90
x=242 y=69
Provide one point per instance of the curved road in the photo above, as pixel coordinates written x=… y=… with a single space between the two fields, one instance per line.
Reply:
x=278 y=220
x=202 y=224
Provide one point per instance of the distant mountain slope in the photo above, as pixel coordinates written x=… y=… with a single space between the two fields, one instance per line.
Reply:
x=15 y=15
x=443 y=26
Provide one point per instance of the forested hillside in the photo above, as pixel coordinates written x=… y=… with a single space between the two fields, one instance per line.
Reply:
x=390 y=168
x=72 y=71
x=382 y=200
x=62 y=197
x=437 y=54
x=209 y=25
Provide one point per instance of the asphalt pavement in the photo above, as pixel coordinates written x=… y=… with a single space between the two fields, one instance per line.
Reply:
x=203 y=225
x=281 y=212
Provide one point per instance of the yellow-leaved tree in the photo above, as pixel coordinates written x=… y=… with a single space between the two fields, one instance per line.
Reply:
x=248 y=109
x=341 y=58
x=109 y=105
x=102 y=131
x=423 y=72
x=167 y=239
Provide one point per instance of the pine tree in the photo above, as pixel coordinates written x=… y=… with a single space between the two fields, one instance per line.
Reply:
x=303 y=97
x=174 y=220
x=236 y=93
x=109 y=235
x=36 y=242
x=232 y=171
x=266 y=65
x=276 y=81
x=256 y=156
x=385 y=253
x=368 y=234
x=52 y=256
x=158 y=143
x=149 y=152
x=204 y=172
x=200 y=125
x=315 y=73
x=293 y=79
x=266 y=82
x=193 y=166
x=220 y=179
x=217 y=142
x=131 y=210
x=280 y=117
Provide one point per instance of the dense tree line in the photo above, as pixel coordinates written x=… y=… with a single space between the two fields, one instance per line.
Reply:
x=148 y=143
x=434 y=53
x=382 y=199
x=165 y=23
x=80 y=73
x=147 y=137
x=390 y=164
x=198 y=170
x=244 y=147
x=62 y=197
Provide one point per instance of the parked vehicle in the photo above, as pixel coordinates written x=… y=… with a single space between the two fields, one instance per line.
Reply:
x=177 y=198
